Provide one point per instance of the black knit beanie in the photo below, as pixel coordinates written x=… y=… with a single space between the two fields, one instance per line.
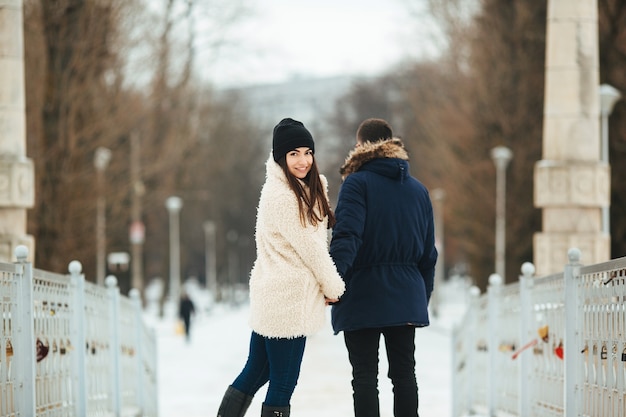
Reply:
x=290 y=134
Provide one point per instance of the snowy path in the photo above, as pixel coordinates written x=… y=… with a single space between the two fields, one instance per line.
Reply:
x=193 y=377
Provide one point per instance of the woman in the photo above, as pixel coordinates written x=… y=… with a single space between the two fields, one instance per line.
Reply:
x=293 y=277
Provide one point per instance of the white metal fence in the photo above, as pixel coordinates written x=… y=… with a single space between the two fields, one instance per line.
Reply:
x=71 y=348
x=545 y=347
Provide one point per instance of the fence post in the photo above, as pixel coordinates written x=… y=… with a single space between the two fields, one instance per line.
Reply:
x=526 y=318
x=572 y=348
x=474 y=297
x=461 y=334
x=114 y=311
x=136 y=298
x=78 y=337
x=494 y=296
x=25 y=345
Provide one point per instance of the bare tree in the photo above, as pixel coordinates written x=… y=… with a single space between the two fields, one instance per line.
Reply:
x=95 y=79
x=72 y=100
x=485 y=90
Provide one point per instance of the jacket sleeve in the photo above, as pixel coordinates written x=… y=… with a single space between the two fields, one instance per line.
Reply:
x=429 y=258
x=348 y=231
x=311 y=249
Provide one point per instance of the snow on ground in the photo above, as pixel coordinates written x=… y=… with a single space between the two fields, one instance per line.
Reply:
x=193 y=376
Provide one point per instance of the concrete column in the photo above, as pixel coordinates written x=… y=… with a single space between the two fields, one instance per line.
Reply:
x=572 y=184
x=16 y=171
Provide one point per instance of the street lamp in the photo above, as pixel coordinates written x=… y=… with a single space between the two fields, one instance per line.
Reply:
x=210 y=258
x=233 y=261
x=137 y=227
x=608 y=97
x=173 y=205
x=101 y=161
x=501 y=156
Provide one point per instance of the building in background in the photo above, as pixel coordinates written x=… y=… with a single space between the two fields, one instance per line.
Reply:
x=309 y=100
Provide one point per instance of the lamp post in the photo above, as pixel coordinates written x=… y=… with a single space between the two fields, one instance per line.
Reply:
x=210 y=258
x=101 y=161
x=608 y=97
x=173 y=205
x=501 y=156
x=233 y=262
x=137 y=228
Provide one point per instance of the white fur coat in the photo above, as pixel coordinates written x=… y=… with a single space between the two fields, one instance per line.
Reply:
x=293 y=270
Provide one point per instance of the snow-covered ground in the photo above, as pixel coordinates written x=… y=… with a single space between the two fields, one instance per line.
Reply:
x=193 y=376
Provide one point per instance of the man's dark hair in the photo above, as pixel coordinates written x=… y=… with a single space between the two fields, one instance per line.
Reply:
x=374 y=130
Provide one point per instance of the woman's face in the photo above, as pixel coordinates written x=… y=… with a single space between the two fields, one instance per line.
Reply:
x=299 y=161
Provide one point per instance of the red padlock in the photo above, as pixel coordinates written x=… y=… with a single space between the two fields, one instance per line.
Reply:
x=558 y=351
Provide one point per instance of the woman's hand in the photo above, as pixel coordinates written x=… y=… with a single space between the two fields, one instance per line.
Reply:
x=331 y=301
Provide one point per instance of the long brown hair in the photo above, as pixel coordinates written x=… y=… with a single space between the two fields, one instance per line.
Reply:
x=313 y=204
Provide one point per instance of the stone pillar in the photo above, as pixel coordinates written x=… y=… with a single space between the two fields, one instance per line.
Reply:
x=571 y=182
x=16 y=171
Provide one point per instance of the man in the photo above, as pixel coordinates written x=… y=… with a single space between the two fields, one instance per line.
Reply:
x=383 y=245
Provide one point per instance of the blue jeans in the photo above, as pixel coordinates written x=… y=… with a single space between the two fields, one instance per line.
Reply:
x=275 y=360
x=362 y=348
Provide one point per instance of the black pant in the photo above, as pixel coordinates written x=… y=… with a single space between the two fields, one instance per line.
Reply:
x=363 y=354
x=187 y=324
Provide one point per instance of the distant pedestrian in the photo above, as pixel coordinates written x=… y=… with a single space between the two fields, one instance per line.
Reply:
x=384 y=247
x=293 y=277
x=186 y=309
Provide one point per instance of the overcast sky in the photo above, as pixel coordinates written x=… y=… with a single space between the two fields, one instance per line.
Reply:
x=286 y=38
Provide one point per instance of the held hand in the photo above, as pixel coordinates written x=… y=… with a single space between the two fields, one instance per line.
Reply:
x=331 y=301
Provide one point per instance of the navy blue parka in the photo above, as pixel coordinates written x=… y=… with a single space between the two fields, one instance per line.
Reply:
x=383 y=243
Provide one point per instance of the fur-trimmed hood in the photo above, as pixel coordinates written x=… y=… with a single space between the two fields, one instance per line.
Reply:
x=393 y=148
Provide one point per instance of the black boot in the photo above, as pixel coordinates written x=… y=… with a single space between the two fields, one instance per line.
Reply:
x=234 y=404
x=269 y=411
